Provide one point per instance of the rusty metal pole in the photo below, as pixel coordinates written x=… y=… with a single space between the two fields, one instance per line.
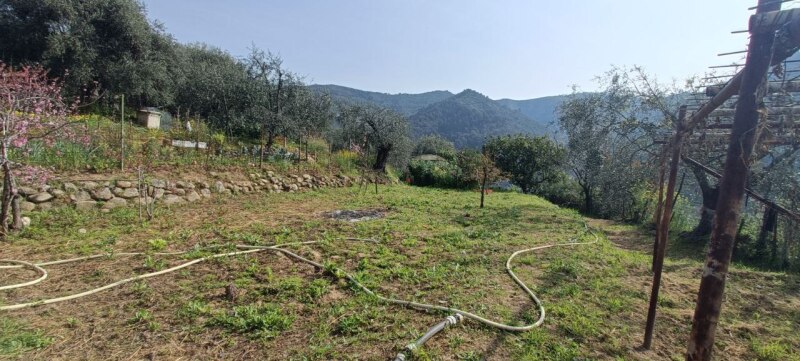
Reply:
x=731 y=191
x=662 y=229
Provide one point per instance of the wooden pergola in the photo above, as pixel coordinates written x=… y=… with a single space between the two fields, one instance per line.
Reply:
x=774 y=36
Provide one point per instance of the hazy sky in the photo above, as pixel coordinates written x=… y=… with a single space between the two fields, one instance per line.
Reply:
x=504 y=49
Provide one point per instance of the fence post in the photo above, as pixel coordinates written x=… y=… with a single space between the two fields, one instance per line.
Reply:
x=662 y=228
x=122 y=133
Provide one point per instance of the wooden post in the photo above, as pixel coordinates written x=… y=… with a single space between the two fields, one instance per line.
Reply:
x=731 y=191
x=122 y=133
x=660 y=204
x=663 y=227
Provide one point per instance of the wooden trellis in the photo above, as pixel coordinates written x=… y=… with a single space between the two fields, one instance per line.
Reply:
x=775 y=35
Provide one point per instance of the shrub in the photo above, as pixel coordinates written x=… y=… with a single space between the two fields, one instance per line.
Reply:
x=345 y=160
x=436 y=174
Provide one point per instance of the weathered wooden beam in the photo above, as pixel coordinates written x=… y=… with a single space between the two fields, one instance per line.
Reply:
x=662 y=228
x=770 y=111
x=772 y=21
x=774 y=87
x=722 y=138
x=769 y=125
x=731 y=191
x=727 y=91
x=753 y=194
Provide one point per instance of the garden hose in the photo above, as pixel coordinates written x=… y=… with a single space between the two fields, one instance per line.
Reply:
x=453 y=320
x=246 y=249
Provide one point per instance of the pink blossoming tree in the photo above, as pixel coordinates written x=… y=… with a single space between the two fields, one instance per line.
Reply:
x=31 y=109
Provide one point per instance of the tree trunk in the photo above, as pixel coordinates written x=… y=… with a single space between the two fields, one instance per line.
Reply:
x=267 y=149
x=588 y=201
x=4 y=204
x=768 y=223
x=16 y=212
x=382 y=157
x=483 y=186
x=263 y=152
x=8 y=191
x=710 y=194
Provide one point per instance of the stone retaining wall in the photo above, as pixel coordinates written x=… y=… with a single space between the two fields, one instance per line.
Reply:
x=111 y=194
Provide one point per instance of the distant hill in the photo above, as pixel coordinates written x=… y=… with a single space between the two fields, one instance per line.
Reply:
x=467 y=118
x=406 y=104
x=542 y=109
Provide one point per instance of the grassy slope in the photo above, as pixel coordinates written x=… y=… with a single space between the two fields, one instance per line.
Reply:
x=436 y=247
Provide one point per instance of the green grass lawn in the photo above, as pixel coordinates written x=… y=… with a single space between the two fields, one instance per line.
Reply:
x=436 y=246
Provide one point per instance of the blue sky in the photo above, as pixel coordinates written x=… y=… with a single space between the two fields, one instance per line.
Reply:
x=505 y=49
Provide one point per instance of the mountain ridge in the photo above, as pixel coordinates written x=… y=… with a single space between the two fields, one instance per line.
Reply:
x=466 y=118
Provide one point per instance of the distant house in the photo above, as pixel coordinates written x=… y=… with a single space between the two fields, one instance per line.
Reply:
x=150 y=118
x=430 y=158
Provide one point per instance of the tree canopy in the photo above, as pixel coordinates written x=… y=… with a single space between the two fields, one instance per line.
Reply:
x=530 y=161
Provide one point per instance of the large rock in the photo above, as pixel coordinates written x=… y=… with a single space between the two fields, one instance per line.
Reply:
x=179 y=191
x=124 y=184
x=205 y=192
x=158 y=183
x=81 y=196
x=192 y=196
x=219 y=187
x=27 y=191
x=89 y=185
x=58 y=193
x=158 y=193
x=85 y=205
x=26 y=206
x=114 y=203
x=40 y=197
x=102 y=194
x=70 y=188
x=126 y=193
x=171 y=199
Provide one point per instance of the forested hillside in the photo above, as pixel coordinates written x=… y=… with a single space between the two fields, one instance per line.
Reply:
x=406 y=104
x=468 y=118
x=542 y=109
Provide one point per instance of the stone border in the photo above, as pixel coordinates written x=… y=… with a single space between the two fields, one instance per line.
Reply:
x=107 y=195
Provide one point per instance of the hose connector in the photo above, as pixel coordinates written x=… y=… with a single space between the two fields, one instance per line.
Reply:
x=454 y=319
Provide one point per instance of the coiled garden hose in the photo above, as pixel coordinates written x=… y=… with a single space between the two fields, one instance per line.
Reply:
x=246 y=249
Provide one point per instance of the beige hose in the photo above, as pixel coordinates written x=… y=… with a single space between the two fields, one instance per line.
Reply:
x=336 y=271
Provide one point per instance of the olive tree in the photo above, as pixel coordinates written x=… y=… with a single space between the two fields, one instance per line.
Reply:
x=530 y=161
x=371 y=127
x=611 y=149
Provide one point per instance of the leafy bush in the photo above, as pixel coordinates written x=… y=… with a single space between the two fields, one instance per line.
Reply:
x=563 y=191
x=435 y=144
x=345 y=160
x=436 y=174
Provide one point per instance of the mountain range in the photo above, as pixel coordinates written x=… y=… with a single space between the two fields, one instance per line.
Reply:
x=466 y=118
